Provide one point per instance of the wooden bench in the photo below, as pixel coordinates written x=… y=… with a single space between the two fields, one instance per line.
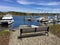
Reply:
x=30 y=30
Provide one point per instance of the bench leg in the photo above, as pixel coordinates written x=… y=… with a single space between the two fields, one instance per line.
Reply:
x=47 y=33
x=35 y=29
x=20 y=34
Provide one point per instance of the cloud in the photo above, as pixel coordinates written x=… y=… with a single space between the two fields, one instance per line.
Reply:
x=42 y=8
x=24 y=2
x=49 y=3
x=48 y=10
x=37 y=10
x=9 y=8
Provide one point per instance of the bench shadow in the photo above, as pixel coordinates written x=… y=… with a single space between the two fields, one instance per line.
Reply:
x=32 y=35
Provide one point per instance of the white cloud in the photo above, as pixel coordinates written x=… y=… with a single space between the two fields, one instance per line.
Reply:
x=42 y=8
x=54 y=3
x=24 y=2
x=49 y=3
x=37 y=10
x=8 y=8
x=49 y=10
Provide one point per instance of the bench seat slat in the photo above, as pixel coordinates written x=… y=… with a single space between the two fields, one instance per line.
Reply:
x=28 y=30
x=41 y=29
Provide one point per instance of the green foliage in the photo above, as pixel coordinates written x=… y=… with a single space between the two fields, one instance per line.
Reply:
x=55 y=28
x=4 y=32
x=24 y=13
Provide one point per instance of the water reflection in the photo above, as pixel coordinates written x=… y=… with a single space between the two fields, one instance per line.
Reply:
x=5 y=27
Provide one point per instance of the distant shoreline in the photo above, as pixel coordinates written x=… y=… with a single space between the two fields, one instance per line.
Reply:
x=29 y=14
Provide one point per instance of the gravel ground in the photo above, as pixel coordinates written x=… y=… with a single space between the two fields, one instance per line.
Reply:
x=37 y=40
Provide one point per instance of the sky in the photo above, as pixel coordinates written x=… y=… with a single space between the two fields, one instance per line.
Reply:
x=30 y=6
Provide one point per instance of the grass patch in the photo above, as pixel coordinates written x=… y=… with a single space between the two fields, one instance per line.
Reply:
x=4 y=32
x=4 y=37
x=55 y=29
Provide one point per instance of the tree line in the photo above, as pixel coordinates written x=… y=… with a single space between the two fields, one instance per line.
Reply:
x=23 y=13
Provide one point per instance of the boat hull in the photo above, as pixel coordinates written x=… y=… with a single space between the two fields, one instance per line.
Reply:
x=7 y=22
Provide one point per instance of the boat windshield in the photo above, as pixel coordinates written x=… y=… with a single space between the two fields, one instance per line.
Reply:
x=6 y=19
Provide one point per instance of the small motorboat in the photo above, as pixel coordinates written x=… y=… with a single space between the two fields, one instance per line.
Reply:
x=7 y=19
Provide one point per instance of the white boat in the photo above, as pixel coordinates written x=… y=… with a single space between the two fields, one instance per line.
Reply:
x=7 y=19
x=50 y=20
x=43 y=19
x=40 y=18
x=34 y=26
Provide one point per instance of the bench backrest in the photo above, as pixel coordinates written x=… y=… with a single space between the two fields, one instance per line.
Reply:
x=41 y=28
x=27 y=30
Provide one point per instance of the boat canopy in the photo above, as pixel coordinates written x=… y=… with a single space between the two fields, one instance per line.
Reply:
x=7 y=17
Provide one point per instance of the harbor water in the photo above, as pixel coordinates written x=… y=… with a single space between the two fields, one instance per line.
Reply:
x=20 y=20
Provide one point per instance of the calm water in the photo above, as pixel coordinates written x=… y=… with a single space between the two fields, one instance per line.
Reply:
x=19 y=20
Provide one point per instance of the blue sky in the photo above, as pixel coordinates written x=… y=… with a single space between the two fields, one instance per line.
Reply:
x=31 y=6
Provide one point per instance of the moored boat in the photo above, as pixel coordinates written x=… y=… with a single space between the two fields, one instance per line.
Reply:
x=7 y=19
